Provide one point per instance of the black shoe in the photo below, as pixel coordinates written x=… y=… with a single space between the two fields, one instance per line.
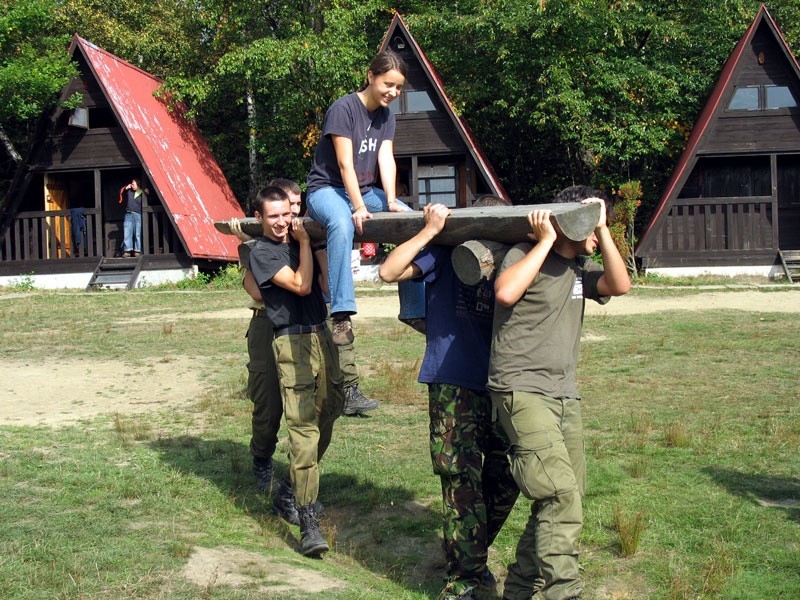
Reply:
x=262 y=469
x=342 y=331
x=417 y=324
x=311 y=536
x=284 y=504
x=355 y=402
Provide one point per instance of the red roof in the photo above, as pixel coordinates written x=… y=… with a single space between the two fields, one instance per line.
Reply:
x=710 y=109
x=174 y=154
x=463 y=129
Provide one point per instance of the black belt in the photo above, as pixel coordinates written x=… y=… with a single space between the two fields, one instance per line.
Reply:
x=296 y=329
x=259 y=312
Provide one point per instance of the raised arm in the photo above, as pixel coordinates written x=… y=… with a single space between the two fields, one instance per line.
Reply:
x=615 y=280
x=399 y=265
x=298 y=282
x=512 y=282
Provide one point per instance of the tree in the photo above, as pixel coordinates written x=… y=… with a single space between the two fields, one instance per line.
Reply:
x=34 y=66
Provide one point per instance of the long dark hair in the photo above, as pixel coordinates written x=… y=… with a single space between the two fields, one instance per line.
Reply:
x=384 y=62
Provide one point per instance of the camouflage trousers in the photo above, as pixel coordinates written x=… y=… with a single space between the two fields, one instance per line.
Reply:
x=478 y=491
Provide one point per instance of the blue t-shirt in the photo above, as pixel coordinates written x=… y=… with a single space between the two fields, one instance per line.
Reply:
x=348 y=117
x=459 y=323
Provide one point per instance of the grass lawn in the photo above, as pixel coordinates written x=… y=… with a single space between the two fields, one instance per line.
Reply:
x=692 y=432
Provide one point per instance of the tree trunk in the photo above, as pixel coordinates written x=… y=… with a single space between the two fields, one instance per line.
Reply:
x=251 y=148
x=9 y=146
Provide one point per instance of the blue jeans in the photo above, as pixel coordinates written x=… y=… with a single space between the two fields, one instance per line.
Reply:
x=132 y=228
x=331 y=207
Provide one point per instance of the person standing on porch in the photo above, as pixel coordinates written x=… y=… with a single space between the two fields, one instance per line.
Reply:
x=134 y=197
x=357 y=145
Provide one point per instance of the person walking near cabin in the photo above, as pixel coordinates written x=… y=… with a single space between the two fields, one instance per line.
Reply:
x=283 y=268
x=540 y=294
x=134 y=197
x=468 y=450
x=356 y=146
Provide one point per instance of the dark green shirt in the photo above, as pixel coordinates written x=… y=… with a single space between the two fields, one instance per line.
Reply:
x=535 y=342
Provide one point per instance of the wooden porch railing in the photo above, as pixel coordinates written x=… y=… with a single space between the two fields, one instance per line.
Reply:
x=720 y=224
x=48 y=235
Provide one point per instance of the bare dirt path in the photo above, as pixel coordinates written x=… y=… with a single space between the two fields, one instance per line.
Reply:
x=66 y=391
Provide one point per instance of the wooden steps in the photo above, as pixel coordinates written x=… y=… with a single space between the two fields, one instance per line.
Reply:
x=790 y=260
x=116 y=273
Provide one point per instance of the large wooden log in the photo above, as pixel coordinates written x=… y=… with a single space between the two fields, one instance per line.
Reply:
x=475 y=260
x=507 y=224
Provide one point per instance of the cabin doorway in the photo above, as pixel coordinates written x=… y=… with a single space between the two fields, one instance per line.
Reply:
x=111 y=182
x=789 y=202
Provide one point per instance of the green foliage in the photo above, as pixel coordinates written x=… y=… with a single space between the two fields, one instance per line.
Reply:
x=34 y=64
x=626 y=202
x=24 y=283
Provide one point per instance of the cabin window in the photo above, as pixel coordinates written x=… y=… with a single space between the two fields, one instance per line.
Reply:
x=437 y=184
x=413 y=101
x=101 y=116
x=779 y=96
x=744 y=98
x=762 y=97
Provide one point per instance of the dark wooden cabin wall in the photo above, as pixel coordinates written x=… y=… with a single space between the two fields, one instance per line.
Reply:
x=756 y=131
x=68 y=147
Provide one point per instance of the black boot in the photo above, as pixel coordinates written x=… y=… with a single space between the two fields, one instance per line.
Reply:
x=262 y=469
x=311 y=536
x=355 y=402
x=284 y=504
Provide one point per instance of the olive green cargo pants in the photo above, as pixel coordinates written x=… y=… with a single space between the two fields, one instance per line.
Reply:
x=548 y=464
x=311 y=388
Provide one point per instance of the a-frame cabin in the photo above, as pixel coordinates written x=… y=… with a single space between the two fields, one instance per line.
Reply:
x=732 y=204
x=62 y=220
x=437 y=155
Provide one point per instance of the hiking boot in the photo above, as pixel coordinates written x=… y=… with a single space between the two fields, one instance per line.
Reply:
x=311 y=536
x=284 y=504
x=342 y=331
x=355 y=402
x=262 y=469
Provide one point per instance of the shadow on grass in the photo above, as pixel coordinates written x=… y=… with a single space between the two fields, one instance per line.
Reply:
x=765 y=490
x=383 y=528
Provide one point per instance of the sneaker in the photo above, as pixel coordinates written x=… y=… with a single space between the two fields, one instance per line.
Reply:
x=342 y=331
x=416 y=324
x=356 y=403
x=262 y=469
x=284 y=504
x=311 y=536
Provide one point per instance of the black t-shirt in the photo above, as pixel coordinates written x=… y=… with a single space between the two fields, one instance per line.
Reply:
x=348 y=117
x=284 y=307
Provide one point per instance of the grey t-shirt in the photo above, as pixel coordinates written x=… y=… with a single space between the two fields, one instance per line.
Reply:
x=348 y=117
x=535 y=342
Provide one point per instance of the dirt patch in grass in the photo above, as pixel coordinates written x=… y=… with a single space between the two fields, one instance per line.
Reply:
x=210 y=568
x=62 y=392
